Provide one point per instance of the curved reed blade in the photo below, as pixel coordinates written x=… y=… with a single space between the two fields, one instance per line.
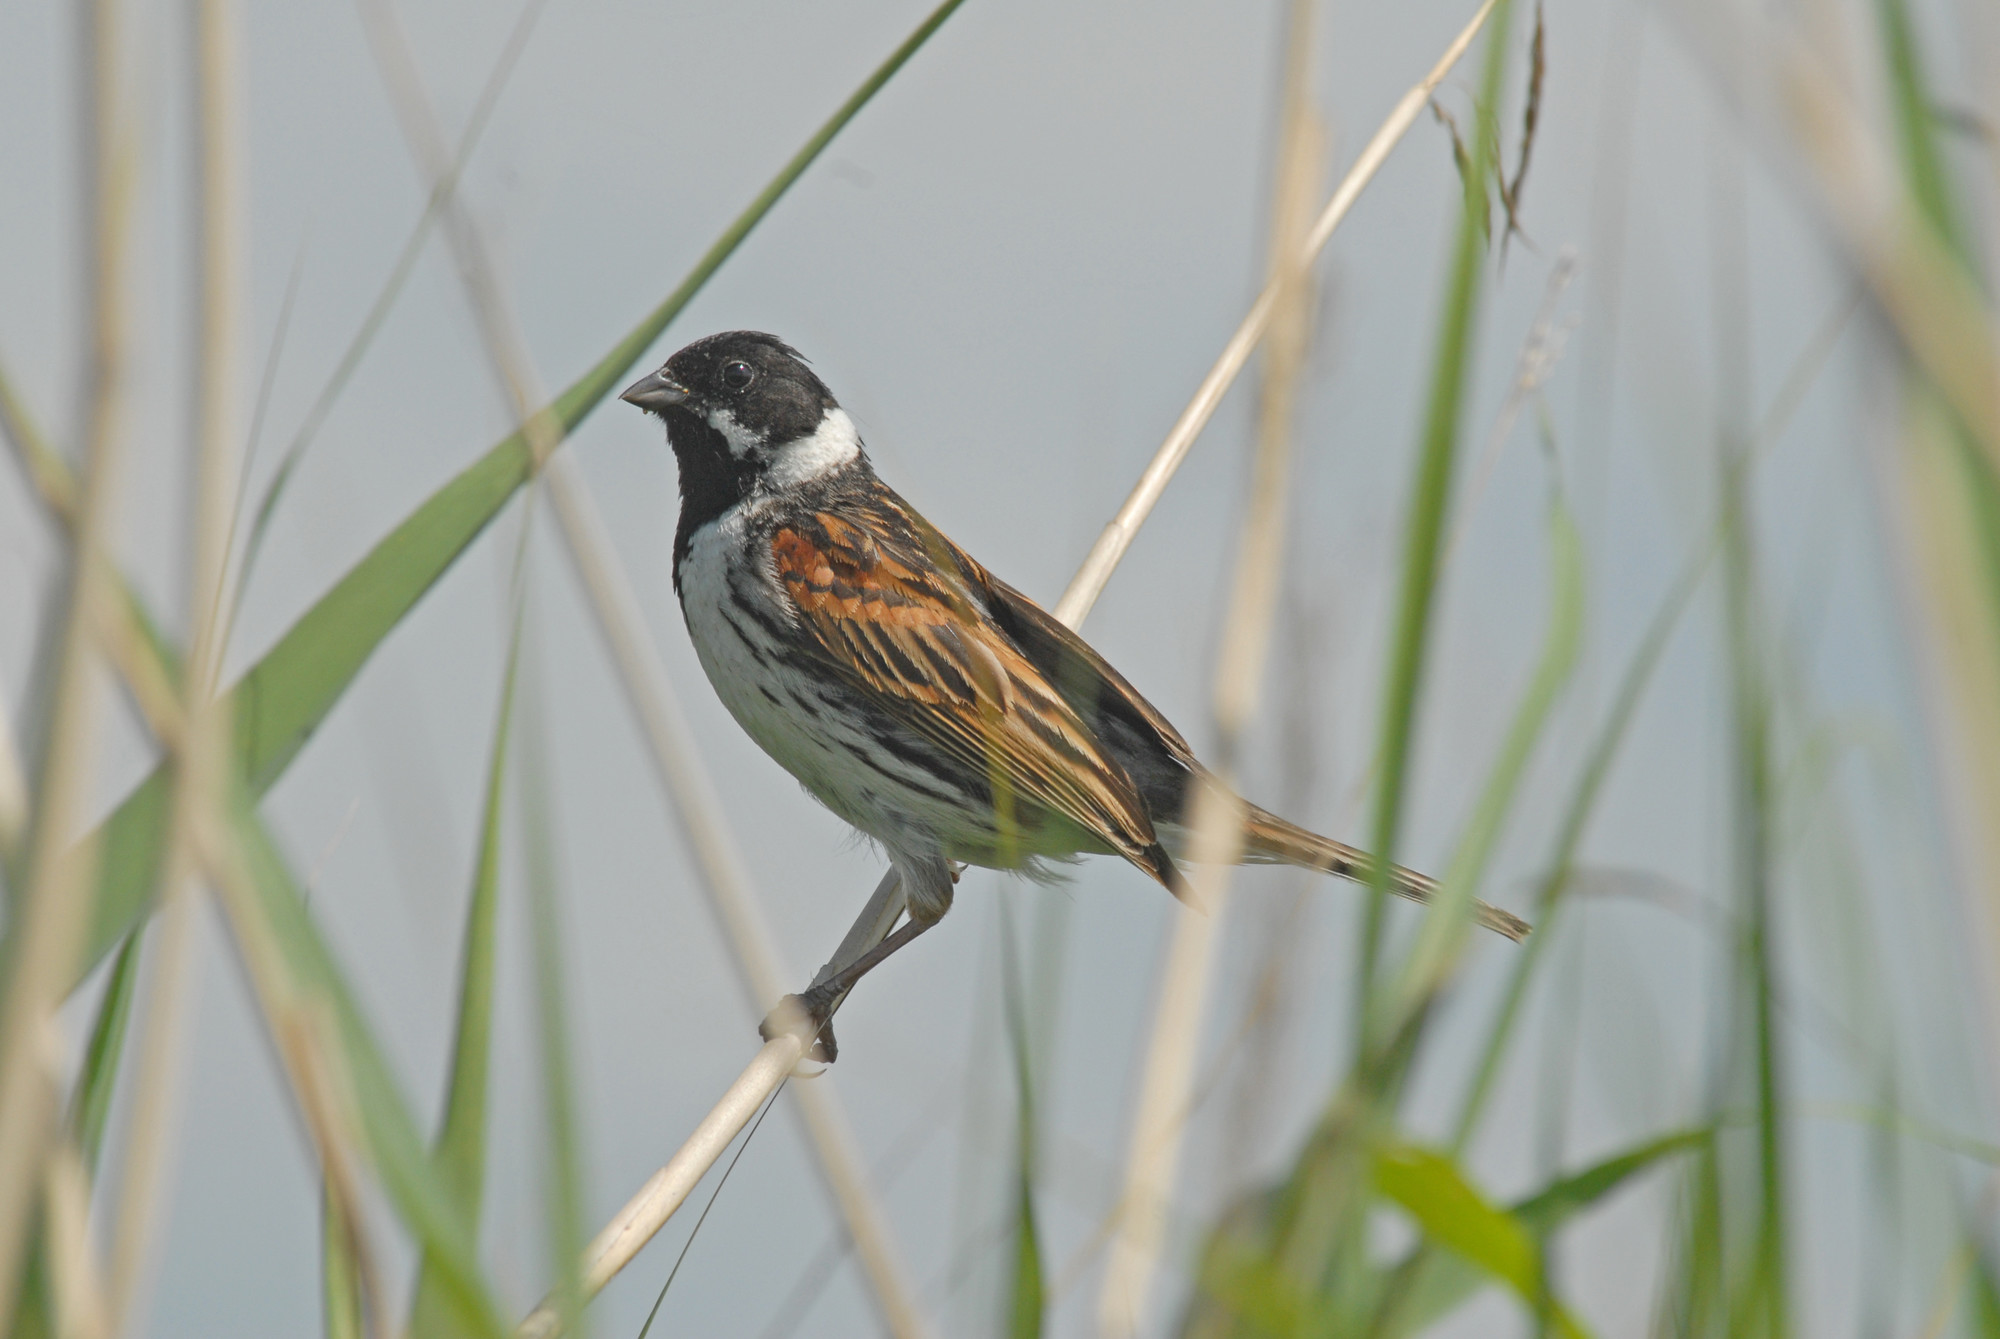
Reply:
x=1423 y=544
x=284 y=697
x=459 y=1155
x=1450 y=1210
x=1433 y=1283
x=365 y=1084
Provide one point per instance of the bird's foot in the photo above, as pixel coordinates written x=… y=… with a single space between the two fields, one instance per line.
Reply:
x=809 y=1017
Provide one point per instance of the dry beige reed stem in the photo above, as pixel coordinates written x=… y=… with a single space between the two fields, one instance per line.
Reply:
x=50 y=476
x=305 y=1037
x=1216 y=815
x=55 y=905
x=1090 y=579
x=203 y=752
x=694 y=804
x=648 y=1211
x=13 y=779
x=39 y=461
x=732 y=897
x=304 y=1032
x=634 y=1225
x=695 y=807
x=304 y=1050
x=299 y=1022
x=1948 y=331
x=75 y=1285
x=123 y=644
x=145 y=677
x=13 y=791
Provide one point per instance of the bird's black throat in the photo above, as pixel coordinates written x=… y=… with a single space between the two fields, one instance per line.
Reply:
x=713 y=479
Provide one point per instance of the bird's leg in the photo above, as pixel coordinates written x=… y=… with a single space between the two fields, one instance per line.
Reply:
x=923 y=887
x=811 y=1013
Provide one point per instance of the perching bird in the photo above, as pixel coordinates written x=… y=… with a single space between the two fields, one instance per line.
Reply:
x=912 y=692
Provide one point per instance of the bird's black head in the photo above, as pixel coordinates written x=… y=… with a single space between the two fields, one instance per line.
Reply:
x=751 y=389
x=743 y=411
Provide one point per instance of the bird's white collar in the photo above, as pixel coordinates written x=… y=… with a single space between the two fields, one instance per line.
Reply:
x=832 y=445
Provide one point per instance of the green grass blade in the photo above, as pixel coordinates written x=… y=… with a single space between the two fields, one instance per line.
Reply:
x=1451 y=1212
x=90 y=1109
x=460 y=1151
x=415 y=1188
x=1754 y=852
x=1983 y=1289
x=133 y=839
x=1439 y=1282
x=1026 y=1300
x=1026 y=1304
x=1925 y=171
x=1306 y=1267
x=1604 y=750
x=1449 y=922
x=563 y=1195
x=1927 y=176
x=286 y=695
x=392 y=288
x=1609 y=741
x=1244 y=1291
x=1424 y=533
x=31 y=1310
x=90 y=1103
x=1699 y=1307
x=341 y=1306
x=1555 y=1204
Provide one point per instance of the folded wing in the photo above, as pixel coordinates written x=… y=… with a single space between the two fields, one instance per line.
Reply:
x=897 y=612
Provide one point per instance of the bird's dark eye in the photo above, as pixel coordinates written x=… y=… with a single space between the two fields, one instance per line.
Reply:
x=738 y=375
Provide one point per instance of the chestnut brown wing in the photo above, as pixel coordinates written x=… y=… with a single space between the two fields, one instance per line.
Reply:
x=894 y=611
x=1131 y=730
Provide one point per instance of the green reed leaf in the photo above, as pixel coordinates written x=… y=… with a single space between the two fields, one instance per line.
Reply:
x=288 y=693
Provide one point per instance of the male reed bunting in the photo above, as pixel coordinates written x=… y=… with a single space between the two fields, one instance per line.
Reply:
x=911 y=691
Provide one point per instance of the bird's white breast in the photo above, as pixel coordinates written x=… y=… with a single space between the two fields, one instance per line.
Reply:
x=729 y=567
x=723 y=568
x=806 y=720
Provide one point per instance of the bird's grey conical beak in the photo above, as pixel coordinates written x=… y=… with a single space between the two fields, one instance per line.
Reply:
x=654 y=392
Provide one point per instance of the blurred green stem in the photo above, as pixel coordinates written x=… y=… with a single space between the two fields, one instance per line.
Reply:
x=1423 y=540
x=1025 y=1306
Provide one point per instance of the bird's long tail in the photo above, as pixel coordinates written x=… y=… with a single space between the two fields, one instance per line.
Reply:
x=1270 y=840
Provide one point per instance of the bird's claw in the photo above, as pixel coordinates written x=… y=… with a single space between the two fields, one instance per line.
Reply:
x=807 y=1018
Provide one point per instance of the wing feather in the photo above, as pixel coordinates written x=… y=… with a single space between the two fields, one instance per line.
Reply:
x=1134 y=731
x=895 y=610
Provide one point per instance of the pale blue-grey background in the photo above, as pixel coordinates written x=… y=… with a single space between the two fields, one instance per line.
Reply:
x=1013 y=267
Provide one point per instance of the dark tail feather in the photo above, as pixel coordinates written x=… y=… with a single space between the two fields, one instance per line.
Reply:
x=1268 y=839
x=1156 y=862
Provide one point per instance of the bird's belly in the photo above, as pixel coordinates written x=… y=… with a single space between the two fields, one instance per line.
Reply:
x=867 y=768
